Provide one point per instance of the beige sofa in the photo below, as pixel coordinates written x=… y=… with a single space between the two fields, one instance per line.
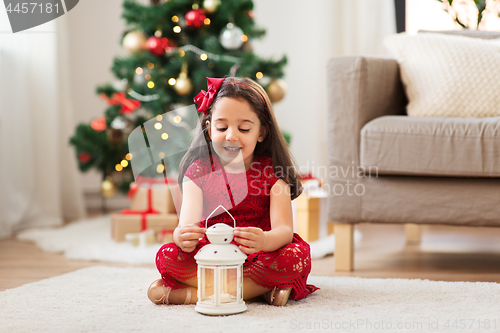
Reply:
x=408 y=170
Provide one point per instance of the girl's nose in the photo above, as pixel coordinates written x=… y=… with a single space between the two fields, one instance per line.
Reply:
x=231 y=135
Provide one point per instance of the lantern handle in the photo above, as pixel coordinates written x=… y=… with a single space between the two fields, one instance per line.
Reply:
x=220 y=206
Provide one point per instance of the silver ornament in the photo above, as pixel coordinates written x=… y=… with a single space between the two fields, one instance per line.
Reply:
x=230 y=37
x=120 y=85
x=118 y=123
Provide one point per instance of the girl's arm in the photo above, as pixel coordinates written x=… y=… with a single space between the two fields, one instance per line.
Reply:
x=254 y=239
x=188 y=233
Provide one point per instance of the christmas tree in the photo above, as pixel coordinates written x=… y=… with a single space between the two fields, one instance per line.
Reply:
x=173 y=46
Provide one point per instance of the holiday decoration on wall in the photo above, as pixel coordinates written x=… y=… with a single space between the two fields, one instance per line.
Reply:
x=172 y=46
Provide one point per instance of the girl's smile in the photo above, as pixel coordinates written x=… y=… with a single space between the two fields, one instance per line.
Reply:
x=235 y=130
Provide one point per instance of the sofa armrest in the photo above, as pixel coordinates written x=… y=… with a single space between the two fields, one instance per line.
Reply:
x=359 y=89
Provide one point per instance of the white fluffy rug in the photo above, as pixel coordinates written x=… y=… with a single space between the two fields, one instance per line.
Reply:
x=91 y=240
x=113 y=299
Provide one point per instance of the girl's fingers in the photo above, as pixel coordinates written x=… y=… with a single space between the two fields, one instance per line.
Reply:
x=189 y=249
x=191 y=236
x=245 y=242
x=244 y=234
x=193 y=229
x=247 y=250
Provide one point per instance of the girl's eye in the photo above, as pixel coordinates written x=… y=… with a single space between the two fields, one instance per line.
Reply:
x=244 y=130
x=221 y=129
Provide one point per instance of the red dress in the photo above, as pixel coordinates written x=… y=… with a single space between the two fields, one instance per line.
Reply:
x=286 y=267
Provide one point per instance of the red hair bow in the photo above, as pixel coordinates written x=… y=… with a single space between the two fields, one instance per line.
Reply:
x=205 y=98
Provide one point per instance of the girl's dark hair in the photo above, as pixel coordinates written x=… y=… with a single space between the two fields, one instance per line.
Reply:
x=273 y=145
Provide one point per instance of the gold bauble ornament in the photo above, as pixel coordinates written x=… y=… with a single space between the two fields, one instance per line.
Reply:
x=210 y=6
x=183 y=84
x=108 y=188
x=135 y=41
x=276 y=90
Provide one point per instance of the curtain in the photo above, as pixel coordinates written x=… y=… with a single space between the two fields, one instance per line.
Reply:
x=363 y=26
x=38 y=172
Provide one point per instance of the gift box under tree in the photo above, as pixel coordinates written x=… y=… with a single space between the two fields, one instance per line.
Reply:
x=152 y=208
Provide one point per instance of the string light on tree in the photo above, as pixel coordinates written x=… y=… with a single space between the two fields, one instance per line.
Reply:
x=108 y=187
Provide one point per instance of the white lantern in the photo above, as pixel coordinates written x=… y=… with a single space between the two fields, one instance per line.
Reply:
x=220 y=272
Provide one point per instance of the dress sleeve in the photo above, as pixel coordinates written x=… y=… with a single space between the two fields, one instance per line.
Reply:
x=196 y=173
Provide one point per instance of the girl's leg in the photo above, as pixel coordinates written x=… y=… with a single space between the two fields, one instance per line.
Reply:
x=159 y=293
x=251 y=289
x=180 y=296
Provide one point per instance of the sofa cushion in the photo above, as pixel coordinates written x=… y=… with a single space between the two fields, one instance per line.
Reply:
x=448 y=76
x=434 y=146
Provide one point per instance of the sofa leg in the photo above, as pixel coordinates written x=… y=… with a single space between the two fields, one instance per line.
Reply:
x=413 y=234
x=344 y=247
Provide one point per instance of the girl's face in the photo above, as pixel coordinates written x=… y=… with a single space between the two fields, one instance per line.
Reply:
x=234 y=130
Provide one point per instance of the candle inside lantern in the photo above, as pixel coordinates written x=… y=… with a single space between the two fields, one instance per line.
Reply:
x=224 y=297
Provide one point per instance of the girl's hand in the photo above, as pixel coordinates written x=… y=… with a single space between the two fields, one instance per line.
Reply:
x=251 y=239
x=189 y=236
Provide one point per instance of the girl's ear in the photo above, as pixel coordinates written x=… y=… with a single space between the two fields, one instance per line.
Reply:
x=262 y=134
x=207 y=124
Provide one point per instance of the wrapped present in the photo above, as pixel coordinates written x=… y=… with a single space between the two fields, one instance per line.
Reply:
x=155 y=196
x=311 y=214
x=122 y=224
x=142 y=238
x=308 y=181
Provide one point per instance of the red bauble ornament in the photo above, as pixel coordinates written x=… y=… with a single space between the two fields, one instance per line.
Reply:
x=84 y=157
x=196 y=18
x=159 y=45
x=99 y=124
x=156 y=45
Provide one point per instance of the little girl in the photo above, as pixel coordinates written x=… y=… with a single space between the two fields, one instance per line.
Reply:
x=238 y=127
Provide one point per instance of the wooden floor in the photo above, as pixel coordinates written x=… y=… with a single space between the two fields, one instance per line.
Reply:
x=446 y=253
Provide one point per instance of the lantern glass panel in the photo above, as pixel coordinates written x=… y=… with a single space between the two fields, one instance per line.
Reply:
x=207 y=284
x=228 y=284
